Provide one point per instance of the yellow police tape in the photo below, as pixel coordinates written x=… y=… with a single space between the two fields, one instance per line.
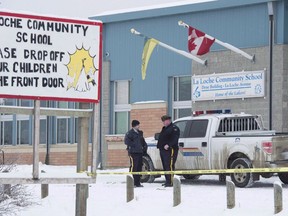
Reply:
x=198 y=172
x=91 y=174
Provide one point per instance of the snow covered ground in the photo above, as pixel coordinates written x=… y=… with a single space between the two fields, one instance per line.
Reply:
x=205 y=196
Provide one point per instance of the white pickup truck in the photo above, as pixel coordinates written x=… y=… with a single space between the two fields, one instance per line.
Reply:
x=223 y=141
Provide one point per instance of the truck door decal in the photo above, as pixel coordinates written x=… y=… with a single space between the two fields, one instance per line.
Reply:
x=191 y=152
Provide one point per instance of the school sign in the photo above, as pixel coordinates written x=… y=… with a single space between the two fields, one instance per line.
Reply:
x=228 y=85
x=49 y=58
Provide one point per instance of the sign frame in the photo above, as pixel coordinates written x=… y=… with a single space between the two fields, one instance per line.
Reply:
x=232 y=85
x=95 y=26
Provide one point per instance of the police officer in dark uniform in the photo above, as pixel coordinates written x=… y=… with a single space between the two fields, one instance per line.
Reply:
x=168 y=147
x=136 y=147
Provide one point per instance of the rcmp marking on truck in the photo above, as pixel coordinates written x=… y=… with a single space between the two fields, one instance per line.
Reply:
x=191 y=152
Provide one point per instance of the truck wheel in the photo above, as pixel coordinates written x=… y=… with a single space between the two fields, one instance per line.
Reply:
x=147 y=165
x=267 y=175
x=283 y=177
x=241 y=179
x=191 y=176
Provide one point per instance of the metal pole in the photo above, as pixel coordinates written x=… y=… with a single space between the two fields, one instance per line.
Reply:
x=36 y=139
x=271 y=20
x=180 y=52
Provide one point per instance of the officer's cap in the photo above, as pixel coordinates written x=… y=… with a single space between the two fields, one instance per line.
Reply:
x=135 y=123
x=165 y=117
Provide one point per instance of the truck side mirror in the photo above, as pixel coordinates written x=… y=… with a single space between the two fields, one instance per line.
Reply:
x=156 y=136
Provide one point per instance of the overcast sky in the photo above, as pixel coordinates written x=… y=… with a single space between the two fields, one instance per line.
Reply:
x=76 y=8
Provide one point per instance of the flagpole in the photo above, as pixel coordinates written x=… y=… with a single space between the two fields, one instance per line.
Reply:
x=180 y=52
x=226 y=45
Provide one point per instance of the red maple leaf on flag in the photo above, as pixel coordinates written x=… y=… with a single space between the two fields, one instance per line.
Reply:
x=198 y=42
x=191 y=45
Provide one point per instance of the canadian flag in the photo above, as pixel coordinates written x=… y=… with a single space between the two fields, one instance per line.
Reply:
x=199 y=43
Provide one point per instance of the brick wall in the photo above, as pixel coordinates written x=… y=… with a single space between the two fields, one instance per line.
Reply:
x=60 y=154
x=117 y=154
x=149 y=115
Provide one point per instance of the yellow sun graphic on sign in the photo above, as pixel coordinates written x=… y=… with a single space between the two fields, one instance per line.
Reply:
x=81 y=71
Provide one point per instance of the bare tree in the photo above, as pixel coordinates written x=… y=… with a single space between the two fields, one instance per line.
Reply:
x=13 y=198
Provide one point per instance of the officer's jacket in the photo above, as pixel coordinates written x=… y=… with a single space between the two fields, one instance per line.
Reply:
x=169 y=135
x=135 y=142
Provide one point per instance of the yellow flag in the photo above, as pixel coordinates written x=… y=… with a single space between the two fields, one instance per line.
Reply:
x=147 y=51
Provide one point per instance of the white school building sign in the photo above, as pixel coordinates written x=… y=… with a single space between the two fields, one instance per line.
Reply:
x=49 y=58
x=228 y=85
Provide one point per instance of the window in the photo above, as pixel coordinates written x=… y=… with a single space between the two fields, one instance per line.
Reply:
x=23 y=132
x=121 y=92
x=238 y=124
x=44 y=103
x=182 y=88
x=8 y=102
x=18 y=129
x=25 y=103
x=198 y=128
x=6 y=133
x=122 y=106
x=62 y=104
x=62 y=130
x=23 y=125
x=121 y=121
x=43 y=131
x=62 y=124
x=181 y=125
x=182 y=104
x=179 y=113
x=6 y=126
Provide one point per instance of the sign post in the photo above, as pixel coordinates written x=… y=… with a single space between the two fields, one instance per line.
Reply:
x=36 y=138
x=82 y=161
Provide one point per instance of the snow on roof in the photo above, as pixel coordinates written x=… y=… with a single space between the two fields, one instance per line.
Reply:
x=164 y=5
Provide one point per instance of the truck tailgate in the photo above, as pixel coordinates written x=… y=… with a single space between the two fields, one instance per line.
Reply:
x=280 y=148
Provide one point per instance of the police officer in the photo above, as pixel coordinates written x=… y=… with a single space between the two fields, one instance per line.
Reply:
x=168 y=147
x=136 y=147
